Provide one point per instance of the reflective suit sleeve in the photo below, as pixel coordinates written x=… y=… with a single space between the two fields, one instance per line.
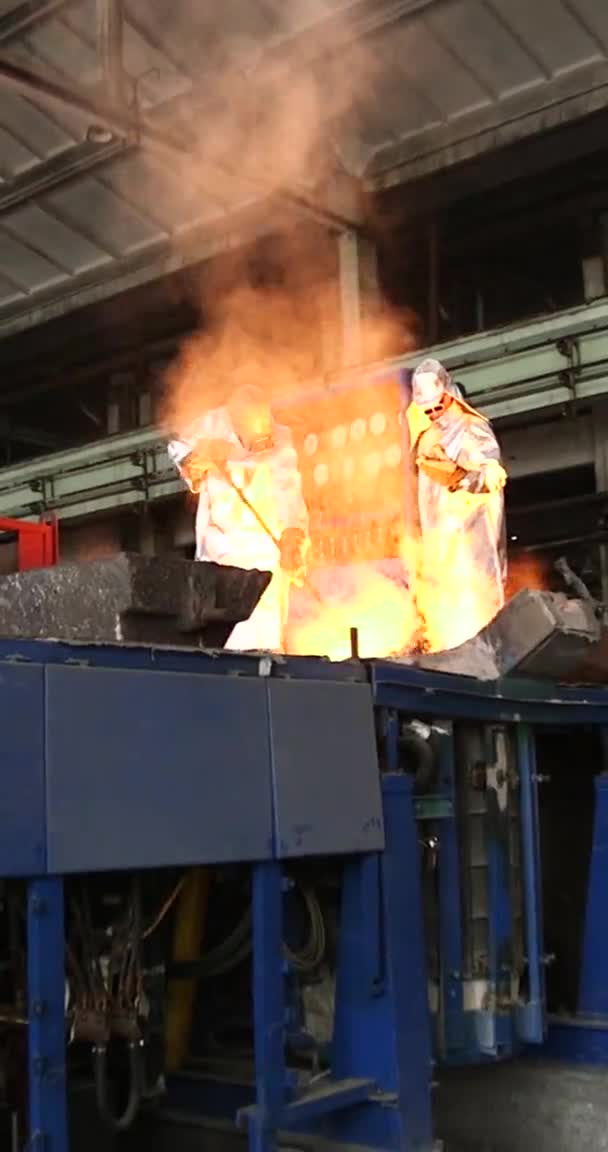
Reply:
x=480 y=458
x=195 y=451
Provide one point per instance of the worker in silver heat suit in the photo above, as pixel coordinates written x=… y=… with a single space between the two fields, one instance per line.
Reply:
x=462 y=566
x=235 y=448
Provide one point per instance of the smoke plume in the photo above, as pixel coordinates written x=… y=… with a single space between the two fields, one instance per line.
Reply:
x=283 y=124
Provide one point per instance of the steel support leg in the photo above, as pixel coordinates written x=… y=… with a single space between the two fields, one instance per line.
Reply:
x=531 y=1016
x=451 y=943
x=382 y=1025
x=406 y=961
x=46 y=1015
x=269 y=1006
x=493 y=1027
x=593 y=988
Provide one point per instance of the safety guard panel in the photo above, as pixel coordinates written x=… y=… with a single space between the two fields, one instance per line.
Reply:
x=325 y=768
x=151 y=769
x=22 y=833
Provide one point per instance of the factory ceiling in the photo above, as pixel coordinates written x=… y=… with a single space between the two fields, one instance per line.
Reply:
x=139 y=137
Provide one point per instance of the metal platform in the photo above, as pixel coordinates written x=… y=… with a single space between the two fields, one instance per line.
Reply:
x=131 y=757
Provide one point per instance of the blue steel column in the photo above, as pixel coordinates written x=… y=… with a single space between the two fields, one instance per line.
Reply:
x=46 y=1016
x=531 y=1017
x=593 y=987
x=407 y=960
x=269 y=1006
x=451 y=943
x=382 y=1022
x=493 y=1026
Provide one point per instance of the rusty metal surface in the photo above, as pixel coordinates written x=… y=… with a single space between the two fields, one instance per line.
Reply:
x=131 y=598
x=538 y=635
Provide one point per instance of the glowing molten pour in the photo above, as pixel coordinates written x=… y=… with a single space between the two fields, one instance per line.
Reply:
x=382 y=612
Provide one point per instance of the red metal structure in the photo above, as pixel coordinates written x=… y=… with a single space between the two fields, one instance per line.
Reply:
x=37 y=542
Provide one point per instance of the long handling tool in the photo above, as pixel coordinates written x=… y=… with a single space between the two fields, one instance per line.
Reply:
x=264 y=526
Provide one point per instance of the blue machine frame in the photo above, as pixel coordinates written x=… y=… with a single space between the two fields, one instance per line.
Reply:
x=132 y=758
x=523 y=707
x=287 y=732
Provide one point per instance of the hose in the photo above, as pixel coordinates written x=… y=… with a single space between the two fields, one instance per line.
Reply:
x=231 y=952
x=310 y=956
x=419 y=758
x=133 y=978
x=164 y=909
x=237 y=946
x=102 y=1096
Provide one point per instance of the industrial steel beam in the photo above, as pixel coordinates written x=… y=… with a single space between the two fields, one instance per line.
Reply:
x=110 y=474
x=111 y=109
x=242 y=226
x=110 y=50
x=91 y=105
x=343 y=26
x=18 y=20
x=535 y=111
x=85 y=156
x=514 y=370
x=58 y=170
x=137 y=128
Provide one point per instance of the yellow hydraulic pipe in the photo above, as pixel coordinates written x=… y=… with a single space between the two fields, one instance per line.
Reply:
x=190 y=922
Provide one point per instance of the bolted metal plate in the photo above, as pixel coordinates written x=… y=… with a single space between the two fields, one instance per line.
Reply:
x=130 y=598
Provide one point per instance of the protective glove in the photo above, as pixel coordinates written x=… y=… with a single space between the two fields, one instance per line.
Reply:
x=442 y=470
x=292 y=546
x=494 y=476
x=203 y=457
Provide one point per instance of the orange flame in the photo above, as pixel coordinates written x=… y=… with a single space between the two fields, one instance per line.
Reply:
x=382 y=612
x=527 y=571
x=265 y=335
x=453 y=608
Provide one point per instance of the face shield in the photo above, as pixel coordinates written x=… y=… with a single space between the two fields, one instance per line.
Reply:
x=251 y=419
x=431 y=391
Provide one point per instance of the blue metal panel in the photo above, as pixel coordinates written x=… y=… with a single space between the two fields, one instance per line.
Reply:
x=22 y=843
x=148 y=770
x=451 y=933
x=510 y=700
x=192 y=660
x=382 y=1022
x=494 y=1027
x=531 y=1015
x=593 y=987
x=325 y=769
x=575 y=1040
x=269 y=1008
x=48 y=1117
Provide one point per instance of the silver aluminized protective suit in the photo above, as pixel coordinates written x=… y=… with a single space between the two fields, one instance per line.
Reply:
x=228 y=533
x=462 y=564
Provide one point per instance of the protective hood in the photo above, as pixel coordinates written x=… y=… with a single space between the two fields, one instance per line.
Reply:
x=418 y=422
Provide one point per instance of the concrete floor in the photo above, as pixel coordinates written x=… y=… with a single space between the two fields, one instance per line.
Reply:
x=523 y=1108
x=505 y=1108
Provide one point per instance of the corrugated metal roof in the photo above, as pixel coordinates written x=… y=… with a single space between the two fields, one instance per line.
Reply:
x=431 y=81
